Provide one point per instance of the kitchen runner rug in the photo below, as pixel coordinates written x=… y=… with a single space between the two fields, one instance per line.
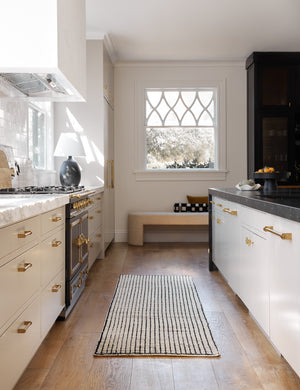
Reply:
x=156 y=315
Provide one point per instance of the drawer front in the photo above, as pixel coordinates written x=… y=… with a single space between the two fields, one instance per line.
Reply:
x=19 y=234
x=95 y=219
x=52 y=301
x=53 y=259
x=19 y=280
x=17 y=349
x=95 y=246
x=53 y=219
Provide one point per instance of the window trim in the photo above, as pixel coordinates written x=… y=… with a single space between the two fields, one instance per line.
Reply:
x=143 y=174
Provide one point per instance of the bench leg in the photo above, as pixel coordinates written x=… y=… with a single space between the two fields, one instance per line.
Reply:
x=136 y=236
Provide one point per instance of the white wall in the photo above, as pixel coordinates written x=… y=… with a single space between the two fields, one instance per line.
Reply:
x=133 y=195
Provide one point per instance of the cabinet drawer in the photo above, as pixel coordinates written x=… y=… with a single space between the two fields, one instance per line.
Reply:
x=95 y=246
x=53 y=219
x=19 y=234
x=17 y=349
x=19 y=280
x=95 y=219
x=52 y=301
x=53 y=259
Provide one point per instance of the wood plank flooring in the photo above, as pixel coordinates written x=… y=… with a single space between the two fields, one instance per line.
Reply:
x=248 y=361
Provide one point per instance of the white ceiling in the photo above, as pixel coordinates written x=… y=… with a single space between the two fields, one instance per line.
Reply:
x=191 y=30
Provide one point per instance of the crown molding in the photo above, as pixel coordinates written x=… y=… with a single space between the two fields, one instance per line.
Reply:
x=96 y=35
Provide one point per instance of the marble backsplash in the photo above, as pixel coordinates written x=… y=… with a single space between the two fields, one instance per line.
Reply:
x=14 y=143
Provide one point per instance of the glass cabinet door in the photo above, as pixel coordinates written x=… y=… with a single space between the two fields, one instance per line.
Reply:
x=297 y=85
x=275 y=143
x=274 y=86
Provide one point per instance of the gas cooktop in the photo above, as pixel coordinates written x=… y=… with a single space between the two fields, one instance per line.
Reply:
x=41 y=190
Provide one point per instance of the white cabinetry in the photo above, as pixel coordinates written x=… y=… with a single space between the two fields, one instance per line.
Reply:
x=94 y=120
x=95 y=228
x=32 y=288
x=285 y=290
x=258 y=253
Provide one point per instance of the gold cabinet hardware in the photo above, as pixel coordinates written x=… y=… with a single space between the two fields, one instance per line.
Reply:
x=212 y=202
x=98 y=235
x=248 y=241
x=98 y=198
x=56 y=287
x=290 y=104
x=91 y=245
x=56 y=243
x=56 y=219
x=91 y=217
x=79 y=283
x=25 y=234
x=24 y=267
x=219 y=204
x=75 y=196
x=283 y=236
x=98 y=211
x=219 y=221
x=23 y=328
x=231 y=212
x=105 y=86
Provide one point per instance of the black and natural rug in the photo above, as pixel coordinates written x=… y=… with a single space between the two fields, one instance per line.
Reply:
x=156 y=315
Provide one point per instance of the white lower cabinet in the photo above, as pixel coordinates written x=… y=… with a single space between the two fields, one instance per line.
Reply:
x=95 y=218
x=32 y=288
x=285 y=291
x=18 y=345
x=262 y=265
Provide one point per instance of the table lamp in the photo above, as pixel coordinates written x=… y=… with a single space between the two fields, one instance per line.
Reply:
x=69 y=144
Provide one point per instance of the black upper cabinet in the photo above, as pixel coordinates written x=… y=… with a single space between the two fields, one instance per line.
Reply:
x=273 y=109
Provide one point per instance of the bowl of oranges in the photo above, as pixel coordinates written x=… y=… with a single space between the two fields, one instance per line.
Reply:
x=269 y=175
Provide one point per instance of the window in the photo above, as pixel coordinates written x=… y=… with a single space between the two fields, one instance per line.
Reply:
x=180 y=128
x=37 y=135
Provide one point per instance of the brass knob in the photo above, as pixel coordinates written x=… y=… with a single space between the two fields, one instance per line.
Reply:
x=24 y=267
x=56 y=287
x=56 y=219
x=25 y=234
x=23 y=328
x=56 y=243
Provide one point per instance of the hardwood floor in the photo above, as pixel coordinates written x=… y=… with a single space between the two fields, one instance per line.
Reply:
x=248 y=361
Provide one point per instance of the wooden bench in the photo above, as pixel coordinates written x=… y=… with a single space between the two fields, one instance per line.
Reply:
x=137 y=221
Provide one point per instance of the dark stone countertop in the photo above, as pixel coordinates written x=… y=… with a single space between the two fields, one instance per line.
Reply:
x=283 y=202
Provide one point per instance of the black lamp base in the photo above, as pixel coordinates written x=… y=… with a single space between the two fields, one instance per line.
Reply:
x=70 y=174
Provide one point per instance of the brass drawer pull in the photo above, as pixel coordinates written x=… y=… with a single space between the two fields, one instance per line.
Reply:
x=91 y=217
x=248 y=241
x=56 y=287
x=56 y=219
x=98 y=211
x=91 y=245
x=227 y=210
x=56 y=243
x=98 y=235
x=25 y=234
x=24 y=267
x=212 y=202
x=98 y=198
x=219 y=204
x=283 y=236
x=219 y=221
x=23 y=328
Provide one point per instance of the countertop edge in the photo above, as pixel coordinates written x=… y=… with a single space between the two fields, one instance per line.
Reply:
x=247 y=198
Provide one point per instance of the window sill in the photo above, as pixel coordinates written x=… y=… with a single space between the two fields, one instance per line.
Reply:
x=176 y=175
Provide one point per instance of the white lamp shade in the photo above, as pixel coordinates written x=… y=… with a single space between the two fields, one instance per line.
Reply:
x=69 y=144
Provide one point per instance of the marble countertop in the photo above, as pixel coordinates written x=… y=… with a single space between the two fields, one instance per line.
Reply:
x=14 y=208
x=284 y=202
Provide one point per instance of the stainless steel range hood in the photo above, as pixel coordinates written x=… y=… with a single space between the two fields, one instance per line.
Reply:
x=43 y=50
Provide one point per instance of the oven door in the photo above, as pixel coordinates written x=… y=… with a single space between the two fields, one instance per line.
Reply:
x=77 y=242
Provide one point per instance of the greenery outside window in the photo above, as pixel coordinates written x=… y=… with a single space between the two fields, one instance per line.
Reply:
x=180 y=128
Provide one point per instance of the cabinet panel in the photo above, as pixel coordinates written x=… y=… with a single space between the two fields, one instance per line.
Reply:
x=95 y=246
x=53 y=219
x=16 y=349
x=274 y=86
x=52 y=302
x=53 y=258
x=285 y=291
x=19 y=280
x=18 y=235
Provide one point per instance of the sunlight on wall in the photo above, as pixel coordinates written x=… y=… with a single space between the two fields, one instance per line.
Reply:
x=89 y=155
x=99 y=155
x=74 y=124
x=100 y=180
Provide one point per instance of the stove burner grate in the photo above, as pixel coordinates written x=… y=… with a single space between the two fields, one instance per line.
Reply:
x=41 y=190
